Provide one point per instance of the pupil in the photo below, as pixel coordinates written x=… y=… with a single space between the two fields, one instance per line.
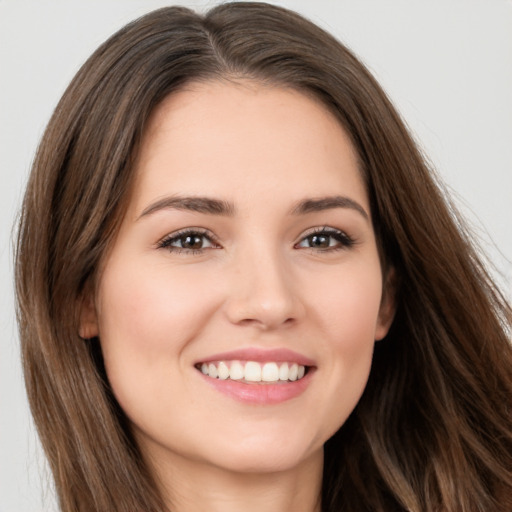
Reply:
x=320 y=241
x=192 y=242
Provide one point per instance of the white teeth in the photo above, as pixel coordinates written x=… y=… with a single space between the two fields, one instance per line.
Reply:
x=212 y=371
x=283 y=371
x=223 y=371
x=252 y=371
x=270 y=372
x=236 y=372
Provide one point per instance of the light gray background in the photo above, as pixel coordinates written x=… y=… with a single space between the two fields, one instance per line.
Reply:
x=447 y=65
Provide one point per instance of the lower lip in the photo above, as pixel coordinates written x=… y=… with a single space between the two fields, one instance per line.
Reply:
x=260 y=393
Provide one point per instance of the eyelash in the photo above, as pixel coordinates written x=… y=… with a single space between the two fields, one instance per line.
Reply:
x=166 y=243
x=344 y=240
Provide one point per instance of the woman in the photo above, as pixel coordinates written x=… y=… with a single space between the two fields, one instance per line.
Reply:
x=239 y=285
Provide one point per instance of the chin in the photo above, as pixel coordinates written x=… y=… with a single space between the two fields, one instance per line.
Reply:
x=260 y=457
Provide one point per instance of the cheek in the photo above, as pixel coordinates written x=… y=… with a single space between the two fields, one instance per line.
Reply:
x=349 y=309
x=146 y=319
x=348 y=315
x=150 y=309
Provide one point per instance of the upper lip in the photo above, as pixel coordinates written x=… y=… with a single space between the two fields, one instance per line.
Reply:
x=278 y=355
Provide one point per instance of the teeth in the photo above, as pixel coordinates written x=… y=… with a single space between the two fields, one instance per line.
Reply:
x=270 y=372
x=236 y=372
x=223 y=371
x=252 y=371
x=283 y=371
x=212 y=371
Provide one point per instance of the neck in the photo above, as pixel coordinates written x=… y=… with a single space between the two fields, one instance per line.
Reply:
x=191 y=487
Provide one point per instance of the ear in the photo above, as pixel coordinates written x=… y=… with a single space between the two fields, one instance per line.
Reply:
x=388 y=305
x=88 y=327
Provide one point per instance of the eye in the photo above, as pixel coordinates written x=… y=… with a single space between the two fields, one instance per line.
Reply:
x=325 y=239
x=192 y=241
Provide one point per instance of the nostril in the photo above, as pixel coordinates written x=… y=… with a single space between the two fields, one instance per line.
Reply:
x=265 y=298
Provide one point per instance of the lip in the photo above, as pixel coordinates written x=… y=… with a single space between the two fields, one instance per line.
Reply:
x=278 y=355
x=260 y=393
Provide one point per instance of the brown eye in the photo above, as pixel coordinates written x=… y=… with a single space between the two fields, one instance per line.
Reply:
x=187 y=241
x=191 y=242
x=326 y=239
x=319 y=241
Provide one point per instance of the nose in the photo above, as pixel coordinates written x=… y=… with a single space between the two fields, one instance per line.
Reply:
x=263 y=292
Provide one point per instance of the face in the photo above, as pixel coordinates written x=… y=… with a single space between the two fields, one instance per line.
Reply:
x=240 y=303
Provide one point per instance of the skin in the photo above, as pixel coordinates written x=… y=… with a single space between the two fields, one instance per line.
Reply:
x=256 y=282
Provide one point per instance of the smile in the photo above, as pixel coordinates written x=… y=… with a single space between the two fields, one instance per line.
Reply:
x=253 y=371
x=256 y=376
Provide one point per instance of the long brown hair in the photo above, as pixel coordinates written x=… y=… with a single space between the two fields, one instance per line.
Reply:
x=433 y=430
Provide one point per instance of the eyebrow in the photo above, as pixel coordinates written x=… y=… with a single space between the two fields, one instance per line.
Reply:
x=213 y=206
x=195 y=204
x=328 y=203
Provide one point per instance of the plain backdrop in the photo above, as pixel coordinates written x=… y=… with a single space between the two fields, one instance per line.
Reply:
x=446 y=64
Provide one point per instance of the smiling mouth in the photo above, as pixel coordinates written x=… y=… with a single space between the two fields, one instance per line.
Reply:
x=252 y=371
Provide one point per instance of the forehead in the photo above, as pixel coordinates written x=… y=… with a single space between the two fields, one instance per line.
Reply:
x=229 y=138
